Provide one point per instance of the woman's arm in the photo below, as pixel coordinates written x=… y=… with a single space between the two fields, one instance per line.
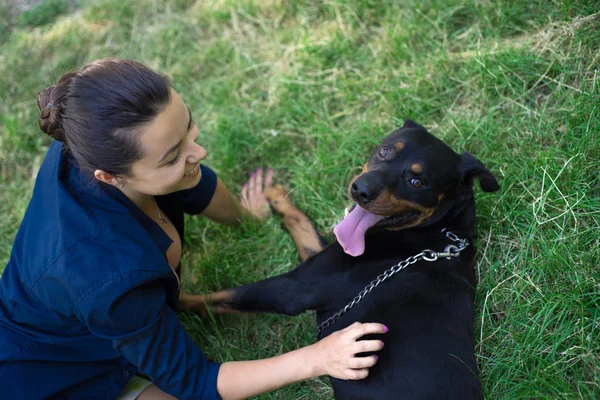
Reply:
x=226 y=209
x=334 y=355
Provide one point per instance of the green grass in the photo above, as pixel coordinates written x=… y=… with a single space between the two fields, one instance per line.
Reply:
x=307 y=88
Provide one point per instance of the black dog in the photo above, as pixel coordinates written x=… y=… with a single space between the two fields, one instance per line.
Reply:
x=412 y=191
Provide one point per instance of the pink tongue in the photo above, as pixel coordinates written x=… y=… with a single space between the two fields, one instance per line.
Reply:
x=350 y=233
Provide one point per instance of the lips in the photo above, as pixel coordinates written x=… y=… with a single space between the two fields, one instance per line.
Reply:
x=193 y=171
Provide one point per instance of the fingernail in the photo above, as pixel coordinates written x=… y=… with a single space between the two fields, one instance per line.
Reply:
x=377 y=358
x=246 y=184
x=382 y=345
x=385 y=328
x=252 y=175
x=259 y=170
x=270 y=169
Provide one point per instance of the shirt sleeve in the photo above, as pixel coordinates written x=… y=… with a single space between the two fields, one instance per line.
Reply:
x=149 y=335
x=196 y=199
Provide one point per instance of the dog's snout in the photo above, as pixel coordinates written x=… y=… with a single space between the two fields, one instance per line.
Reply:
x=364 y=190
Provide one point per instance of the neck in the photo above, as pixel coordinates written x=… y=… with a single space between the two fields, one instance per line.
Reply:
x=458 y=216
x=144 y=201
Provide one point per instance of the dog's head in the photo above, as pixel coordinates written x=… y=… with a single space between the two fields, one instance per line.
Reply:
x=408 y=179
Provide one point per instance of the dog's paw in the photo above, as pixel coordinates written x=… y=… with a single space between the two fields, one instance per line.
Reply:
x=205 y=304
x=279 y=199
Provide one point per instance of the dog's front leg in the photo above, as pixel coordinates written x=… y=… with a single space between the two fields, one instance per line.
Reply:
x=281 y=294
x=199 y=303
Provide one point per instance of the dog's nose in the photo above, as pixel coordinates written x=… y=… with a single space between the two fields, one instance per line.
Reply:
x=364 y=190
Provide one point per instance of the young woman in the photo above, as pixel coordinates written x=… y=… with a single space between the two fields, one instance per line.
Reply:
x=87 y=299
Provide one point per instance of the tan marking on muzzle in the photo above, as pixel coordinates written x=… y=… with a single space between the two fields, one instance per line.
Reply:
x=388 y=205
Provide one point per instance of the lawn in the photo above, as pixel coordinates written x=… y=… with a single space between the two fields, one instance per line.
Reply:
x=308 y=88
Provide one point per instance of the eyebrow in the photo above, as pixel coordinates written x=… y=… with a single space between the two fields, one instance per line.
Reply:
x=172 y=149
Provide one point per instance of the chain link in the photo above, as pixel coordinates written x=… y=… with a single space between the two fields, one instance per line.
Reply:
x=427 y=255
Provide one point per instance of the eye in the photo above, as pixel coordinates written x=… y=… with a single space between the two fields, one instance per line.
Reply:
x=383 y=152
x=175 y=160
x=416 y=182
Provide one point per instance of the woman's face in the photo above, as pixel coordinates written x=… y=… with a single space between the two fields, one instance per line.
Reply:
x=172 y=158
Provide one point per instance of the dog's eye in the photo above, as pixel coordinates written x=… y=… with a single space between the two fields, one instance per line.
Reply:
x=416 y=182
x=383 y=152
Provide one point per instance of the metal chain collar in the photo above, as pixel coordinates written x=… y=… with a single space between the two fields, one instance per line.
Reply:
x=449 y=252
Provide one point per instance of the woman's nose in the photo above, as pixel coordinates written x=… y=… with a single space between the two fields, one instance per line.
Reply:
x=198 y=153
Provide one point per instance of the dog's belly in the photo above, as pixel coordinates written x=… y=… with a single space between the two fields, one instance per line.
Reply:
x=412 y=383
x=429 y=349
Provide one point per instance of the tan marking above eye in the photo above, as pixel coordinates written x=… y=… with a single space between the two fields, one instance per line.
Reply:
x=399 y=146
x=416 y=168
x=440 y=197
x=365 y=169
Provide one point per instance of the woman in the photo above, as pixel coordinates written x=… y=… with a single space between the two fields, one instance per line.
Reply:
x=87 y=299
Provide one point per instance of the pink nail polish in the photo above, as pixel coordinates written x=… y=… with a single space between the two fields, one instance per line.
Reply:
x=385 y=329
x=270 y=169
x=382 y=345
x=252 y=175
x=377 y=358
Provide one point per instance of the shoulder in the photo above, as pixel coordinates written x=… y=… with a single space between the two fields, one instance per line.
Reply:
x=196 y=199
x=104 y=262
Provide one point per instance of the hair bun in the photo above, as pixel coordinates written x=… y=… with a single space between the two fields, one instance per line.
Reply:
x=50 y=121
x=50 y=103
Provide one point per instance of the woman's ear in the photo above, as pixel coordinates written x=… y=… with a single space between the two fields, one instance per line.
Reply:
x=109 y=179
x=470 y=168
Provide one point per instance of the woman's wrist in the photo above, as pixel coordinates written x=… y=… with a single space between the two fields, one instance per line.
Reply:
x=312 y=361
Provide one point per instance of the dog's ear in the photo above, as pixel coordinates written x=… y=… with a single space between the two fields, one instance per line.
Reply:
x=470 y=168
x=409 y=123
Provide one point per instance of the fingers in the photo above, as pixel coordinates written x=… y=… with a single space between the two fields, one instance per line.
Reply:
x=269 y=179
x=352 y=326
x=245 y=195
x=253 y=196
x=365 y=346
x=363 y=362
x=259 y=182
x=251 y=186
x=358 y=329
x=356 y=374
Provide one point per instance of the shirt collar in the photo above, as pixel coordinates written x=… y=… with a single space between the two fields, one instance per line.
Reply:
x=80 y=181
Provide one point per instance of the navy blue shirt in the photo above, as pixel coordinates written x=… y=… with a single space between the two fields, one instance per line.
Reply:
x=87 y=298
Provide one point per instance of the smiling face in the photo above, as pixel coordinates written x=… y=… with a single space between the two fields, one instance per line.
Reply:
x=171 y=160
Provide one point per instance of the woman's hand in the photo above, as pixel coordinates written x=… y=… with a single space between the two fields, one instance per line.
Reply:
x=253 y=193
x=335 y=355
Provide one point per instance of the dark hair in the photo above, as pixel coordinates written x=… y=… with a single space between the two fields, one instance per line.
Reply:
x=99 y=110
